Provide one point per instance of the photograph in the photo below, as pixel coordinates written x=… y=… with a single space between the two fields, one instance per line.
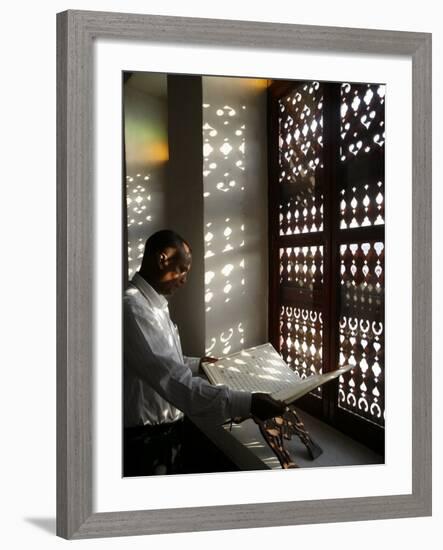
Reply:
x=253 y=310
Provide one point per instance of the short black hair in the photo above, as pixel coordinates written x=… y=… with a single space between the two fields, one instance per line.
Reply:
x=160 y=240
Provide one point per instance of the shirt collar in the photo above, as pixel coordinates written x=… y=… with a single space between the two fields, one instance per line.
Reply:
x=148 y=292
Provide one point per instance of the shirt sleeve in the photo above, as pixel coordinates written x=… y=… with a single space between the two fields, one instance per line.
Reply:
x=193 y=363
x=153 y=361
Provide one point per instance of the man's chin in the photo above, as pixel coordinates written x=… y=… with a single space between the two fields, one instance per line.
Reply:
x=170 y=291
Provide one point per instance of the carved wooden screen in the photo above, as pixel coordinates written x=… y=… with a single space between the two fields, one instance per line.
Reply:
x=326 y=193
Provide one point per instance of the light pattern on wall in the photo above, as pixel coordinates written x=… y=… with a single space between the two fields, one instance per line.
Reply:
x=361 y=329
x=138 y=201
x=300 y=160
x=225 y=279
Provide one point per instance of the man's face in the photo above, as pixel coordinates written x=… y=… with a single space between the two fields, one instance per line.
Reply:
x=175 y=265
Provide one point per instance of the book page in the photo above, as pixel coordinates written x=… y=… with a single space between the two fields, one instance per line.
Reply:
x=261 y=369
x=302 y=387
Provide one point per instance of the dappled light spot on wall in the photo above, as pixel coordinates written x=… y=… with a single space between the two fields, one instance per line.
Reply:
x=234 y=121
x=219 y=147
x=224 y=149
x=207 y=150
x=227 y=270
x=139 y=216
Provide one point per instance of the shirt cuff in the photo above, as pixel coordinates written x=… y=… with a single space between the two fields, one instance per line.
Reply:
x=193 y=363
x=240 y=404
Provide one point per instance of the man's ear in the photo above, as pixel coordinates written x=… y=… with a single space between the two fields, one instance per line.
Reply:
x=162 y=260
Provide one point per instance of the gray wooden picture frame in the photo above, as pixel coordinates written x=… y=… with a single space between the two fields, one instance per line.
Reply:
x=76 y=32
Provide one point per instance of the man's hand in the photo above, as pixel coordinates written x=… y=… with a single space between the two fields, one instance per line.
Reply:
x=208 y=360
x=205 y=360
x=264 y=407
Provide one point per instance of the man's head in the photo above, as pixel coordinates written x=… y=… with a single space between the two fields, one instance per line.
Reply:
x=166 y=261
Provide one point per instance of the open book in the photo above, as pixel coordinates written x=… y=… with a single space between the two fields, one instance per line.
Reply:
x=261 y=369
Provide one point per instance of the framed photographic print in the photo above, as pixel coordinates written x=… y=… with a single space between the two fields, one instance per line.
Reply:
x=290 y=158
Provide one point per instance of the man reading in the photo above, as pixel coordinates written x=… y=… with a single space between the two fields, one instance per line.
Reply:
x=160 y=383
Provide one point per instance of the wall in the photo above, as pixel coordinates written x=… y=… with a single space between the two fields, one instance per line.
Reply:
x=235 y=213
x=220 y=175
x=184 y=203
x=146 y=144
x=28 y=300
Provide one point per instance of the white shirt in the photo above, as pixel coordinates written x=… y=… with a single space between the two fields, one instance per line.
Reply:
x=160 y=384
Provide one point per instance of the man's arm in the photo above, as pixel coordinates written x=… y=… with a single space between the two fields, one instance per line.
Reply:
x=195 y=363
x=156 y=365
